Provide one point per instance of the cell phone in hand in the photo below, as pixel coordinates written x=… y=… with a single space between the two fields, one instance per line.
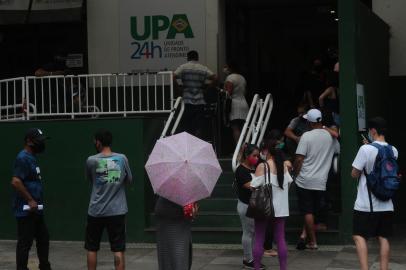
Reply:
x=365 y=138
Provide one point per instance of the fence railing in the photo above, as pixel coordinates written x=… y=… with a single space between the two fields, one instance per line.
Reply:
x=173 y=116
x=255 y=125
x=88 y=95
x=12 y=98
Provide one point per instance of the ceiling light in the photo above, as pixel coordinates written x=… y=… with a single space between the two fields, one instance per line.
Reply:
x=332 y=11
x=336 y=19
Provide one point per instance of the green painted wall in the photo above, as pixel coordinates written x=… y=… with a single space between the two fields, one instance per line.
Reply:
x=349 y=141
x=62 y=166
x=364 y=58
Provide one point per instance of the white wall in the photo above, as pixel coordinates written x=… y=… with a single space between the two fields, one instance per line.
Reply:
x=212 y=27
x=103 y=24
x=393 y=13
x=103 y=36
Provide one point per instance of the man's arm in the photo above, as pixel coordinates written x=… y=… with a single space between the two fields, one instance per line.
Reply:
x=88 y=170
x=20 y=188
x=291 y=135
x=129 y=176
x=213 y=78
x=42 y=72
x=297 y=165
x=355 y=173
x=333 y=131
x=325 y=94
x=359 y=163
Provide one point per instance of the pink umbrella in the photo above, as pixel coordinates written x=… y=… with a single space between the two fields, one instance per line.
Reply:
x=183 y=168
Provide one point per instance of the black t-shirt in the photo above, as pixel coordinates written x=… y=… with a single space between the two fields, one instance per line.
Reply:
x=243 y=176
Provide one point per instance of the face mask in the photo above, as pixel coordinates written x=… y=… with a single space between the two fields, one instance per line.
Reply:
x=280 y=145
x=262 y=156
x=38 y=147
x=370 y=138
x=252 y=160
x=226 y=71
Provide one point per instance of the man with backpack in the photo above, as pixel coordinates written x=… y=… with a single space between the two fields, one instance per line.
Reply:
x=376 y=168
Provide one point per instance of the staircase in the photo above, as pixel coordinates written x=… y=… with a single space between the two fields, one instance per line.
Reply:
x=218 y=220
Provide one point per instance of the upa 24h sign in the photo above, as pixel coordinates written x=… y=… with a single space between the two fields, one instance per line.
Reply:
x=157 y=35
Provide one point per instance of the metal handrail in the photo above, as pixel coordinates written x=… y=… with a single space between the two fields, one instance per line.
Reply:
x=234 y=161
x=266 y=121
x=261 y=126
x=168 y=123
x=255 y=125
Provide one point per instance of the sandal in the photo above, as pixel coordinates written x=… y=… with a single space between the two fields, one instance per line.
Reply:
x=270 y=253
x=312 y=246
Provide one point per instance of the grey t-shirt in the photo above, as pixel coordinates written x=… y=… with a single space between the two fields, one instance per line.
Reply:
x=318 y=147
x=108 y=174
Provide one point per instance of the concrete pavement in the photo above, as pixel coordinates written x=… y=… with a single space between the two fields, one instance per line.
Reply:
x=72 y=256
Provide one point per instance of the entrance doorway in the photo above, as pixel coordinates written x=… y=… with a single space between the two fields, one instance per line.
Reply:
x=275 y=42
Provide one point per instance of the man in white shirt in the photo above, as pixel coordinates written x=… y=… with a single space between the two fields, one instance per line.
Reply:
x=313 y=160
x=375 y=222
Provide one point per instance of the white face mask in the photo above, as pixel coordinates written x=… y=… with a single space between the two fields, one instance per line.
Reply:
x=262 y=156
x=226 y=71
x=370 y=138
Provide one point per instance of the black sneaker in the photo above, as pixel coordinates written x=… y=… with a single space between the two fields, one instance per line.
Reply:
x=301 y=244
x=250 y=265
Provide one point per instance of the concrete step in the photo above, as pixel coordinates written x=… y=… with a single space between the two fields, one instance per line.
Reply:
x=226 y=219
x=225 y=164
x=218 y=204
x=223 y=191
x=232 y=235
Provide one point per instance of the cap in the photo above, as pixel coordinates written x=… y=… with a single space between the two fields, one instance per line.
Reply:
x=35 y=134
x=313 y=116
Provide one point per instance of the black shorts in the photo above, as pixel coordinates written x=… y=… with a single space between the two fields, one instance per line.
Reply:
x=238 y=123
x=310 y=201
x=192 y=119
x=373 y=224
x=115 y=226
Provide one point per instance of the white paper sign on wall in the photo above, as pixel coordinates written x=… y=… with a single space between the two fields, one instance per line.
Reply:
x=361 y=107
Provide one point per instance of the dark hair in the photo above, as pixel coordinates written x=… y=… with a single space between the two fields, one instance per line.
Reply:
x=192 y=55
x=233 y=66
x=248 y=150
x=379 y=124
x=104 y=137
x=270 y=143
x=303 y=105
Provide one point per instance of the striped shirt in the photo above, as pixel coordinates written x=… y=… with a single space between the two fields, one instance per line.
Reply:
x=193 y=76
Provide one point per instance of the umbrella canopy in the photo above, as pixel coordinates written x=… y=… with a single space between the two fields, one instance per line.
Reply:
x=183 y=168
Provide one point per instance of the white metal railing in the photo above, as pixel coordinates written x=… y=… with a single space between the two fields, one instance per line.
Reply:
x=12 y=96
x=88 y=95
x=20 y=113
x=179 y=102
x=255 y=125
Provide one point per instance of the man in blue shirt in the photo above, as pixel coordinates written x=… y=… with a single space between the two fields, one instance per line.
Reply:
x=28 y=201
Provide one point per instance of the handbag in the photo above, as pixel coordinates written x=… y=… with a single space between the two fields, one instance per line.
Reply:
x=260 y=205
